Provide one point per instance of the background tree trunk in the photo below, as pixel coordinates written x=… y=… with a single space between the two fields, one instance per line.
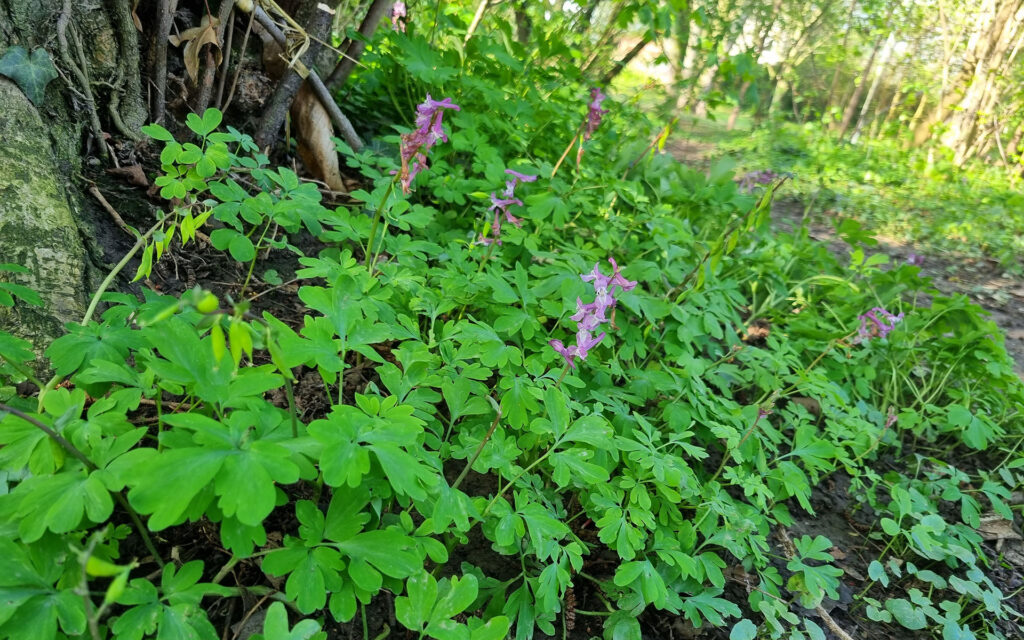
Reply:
x=890 y=43
x=851 y=105
x=980 y=75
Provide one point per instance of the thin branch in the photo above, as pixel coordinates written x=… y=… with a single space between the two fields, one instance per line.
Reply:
x=348 y=133
x=238 y=67
x=77 y=454
x=56 y=437
x=790 y=551
x=279 y=103
x=378 y=9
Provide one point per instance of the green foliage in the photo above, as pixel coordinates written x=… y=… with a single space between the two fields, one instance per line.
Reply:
x=648 y=476
x=31 y=72
x=917 y=196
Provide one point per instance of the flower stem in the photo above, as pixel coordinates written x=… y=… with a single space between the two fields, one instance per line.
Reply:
x=141 y=242
x=567 y=150
x=512 y=481
x=562 y=377
x=376 y=221
x=479 y=450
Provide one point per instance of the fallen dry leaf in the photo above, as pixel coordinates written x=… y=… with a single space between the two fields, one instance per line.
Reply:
x=995 y=527
x=132 y=174
x=853 y=573
x=812 y=405
x=195 y=38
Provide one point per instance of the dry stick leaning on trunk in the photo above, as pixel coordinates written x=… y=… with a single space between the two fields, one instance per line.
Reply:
x=378 y=9
x=337 y=117
x=277 y=107
x=206 y=83
x=226 y=63
x=164 y=19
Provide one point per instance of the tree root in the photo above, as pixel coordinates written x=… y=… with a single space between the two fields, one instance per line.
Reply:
x=164 y=19
x=80 y=73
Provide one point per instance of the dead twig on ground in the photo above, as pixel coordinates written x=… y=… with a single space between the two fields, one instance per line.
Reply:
x=790 y=552
x=118 y=220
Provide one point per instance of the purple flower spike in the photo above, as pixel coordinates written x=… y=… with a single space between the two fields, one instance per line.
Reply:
x=754 y=179
x=877 y=323
x=585 y=342
x=590 y=316
x=915 y=260
x=429 y=115
x=566 y=352
x=617 y=279
x=519 y=176
x=599 y=279
x=594 y=112
x=398 y=15
x=416 y=144
x=500 y=205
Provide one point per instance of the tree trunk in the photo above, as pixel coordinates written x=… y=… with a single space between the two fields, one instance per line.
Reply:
x=524 y=26
x=897 y=94
x=980 y=76
x=757 y=55
x=851 y=106
x=912 y=124
x=683 y=29
x=378 y=9
x=846 y=40
x=43 y=213
x=890 y=43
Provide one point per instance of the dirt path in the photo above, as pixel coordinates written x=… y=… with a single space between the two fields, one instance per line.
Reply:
x=981 y=280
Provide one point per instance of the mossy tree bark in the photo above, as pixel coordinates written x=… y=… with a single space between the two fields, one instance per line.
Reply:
x=42 y=148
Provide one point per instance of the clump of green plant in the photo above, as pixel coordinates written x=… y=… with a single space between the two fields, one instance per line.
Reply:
x=918 y=196
x=480 y=481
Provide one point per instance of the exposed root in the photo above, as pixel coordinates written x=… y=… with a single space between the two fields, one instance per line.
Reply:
x=80 y=73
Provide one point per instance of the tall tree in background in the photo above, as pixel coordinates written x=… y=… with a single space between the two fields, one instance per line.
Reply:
x=991 y=50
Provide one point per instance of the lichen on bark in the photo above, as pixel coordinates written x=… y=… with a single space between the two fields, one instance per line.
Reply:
x=38 y=229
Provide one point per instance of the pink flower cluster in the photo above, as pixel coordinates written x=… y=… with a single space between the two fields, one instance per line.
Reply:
x=398 y=15
x=756 y=178
x=594 y=112
x=877 y=323
x=592 y=315
x=416 y=144
x=500 y=205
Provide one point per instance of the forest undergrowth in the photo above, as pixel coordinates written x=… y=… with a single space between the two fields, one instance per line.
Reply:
x=534 y=378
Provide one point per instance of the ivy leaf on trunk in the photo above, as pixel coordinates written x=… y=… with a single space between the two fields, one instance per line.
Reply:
x=30 y=72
